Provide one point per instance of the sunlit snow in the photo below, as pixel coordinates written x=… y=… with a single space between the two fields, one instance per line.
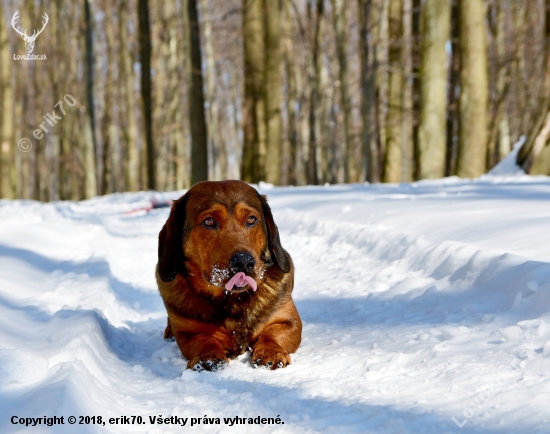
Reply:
x=425 y=306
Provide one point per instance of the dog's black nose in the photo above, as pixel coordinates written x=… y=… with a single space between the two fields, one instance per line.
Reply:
x=242 y=262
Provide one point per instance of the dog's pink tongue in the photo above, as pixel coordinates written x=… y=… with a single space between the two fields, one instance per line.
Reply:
x=239 y=280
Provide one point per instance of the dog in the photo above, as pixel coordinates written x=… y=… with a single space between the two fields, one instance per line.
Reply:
x=226 y=280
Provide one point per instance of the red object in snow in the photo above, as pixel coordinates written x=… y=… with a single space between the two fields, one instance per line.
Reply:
x=155 y=204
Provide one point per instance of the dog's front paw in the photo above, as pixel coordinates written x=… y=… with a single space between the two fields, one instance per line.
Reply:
x=211 y=361
x=271 y=356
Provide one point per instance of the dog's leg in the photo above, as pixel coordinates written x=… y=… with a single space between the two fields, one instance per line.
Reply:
x=168 y=335
x=204 y=345
x=278 y=339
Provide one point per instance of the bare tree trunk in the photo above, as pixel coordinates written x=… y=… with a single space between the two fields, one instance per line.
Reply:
x=181 y=170
x=538 y=137
x=472 y=135
x=380 y=66
x=348 y=145
x=108 y=172
x=54 y=75
x=254 y=150
x=182 y=175
x=28 y=118
x=31 y=116
x=40 y=165
x=292 y=98
x=145 y=57
x=503 y=127
x=452 y=93
x=38 y=82
x=127 y=78
x=302 y=143
x=90 y=142
x=195 y=97
x=312 y=176
x=500 y=83
x=433 y=85
x=75 y=149
x=541 y=163
x=236 y=123
x=7 y=175
x=22 y=159
x=330 y=152
x=60 y=76
x=407 y=158
x=176 y=164
x=519 y=12
x=273 y=90
x=367 y=91
x=217 y=149
x=394 y=144
x=159 y=96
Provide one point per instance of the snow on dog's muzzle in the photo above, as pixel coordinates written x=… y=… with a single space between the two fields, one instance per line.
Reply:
x=240 y=280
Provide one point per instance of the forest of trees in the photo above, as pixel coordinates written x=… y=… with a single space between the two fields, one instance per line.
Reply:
x=138 y=94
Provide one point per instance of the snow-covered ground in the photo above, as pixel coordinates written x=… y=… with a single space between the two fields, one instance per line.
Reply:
x=426 y=308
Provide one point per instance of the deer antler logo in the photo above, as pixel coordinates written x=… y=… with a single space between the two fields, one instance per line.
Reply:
x=29 y=40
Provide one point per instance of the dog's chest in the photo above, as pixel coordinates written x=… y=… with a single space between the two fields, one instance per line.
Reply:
x=239 y=324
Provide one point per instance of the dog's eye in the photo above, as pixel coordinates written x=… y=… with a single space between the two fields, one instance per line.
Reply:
x=251 y=221
x=209 y=222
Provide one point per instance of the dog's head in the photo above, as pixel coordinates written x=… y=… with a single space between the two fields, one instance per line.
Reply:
x=220 y=235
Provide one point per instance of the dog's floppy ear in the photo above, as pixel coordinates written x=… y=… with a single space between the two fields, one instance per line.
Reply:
x=274 y=242
x=170 y=242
